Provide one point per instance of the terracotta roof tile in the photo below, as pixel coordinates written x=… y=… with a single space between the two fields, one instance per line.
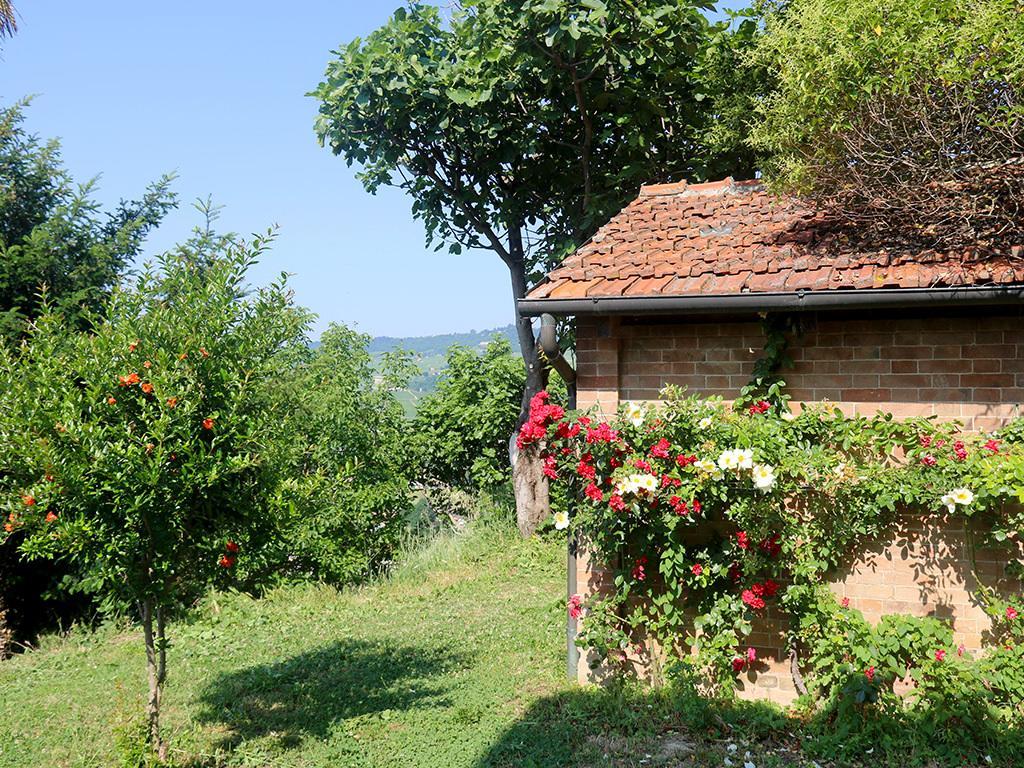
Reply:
x=728 y=237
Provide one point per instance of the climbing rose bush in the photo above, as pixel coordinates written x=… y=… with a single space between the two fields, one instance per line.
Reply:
x=713 y=516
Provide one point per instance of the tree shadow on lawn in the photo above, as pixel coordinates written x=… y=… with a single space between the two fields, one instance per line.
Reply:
x=306 y=695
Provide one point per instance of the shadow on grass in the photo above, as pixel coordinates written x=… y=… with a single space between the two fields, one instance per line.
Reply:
x=306 y=695
x=627 y=725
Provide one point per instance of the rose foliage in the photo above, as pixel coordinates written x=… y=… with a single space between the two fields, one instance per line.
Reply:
x=712 y=517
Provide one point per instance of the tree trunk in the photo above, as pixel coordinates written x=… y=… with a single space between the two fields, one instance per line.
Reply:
x=156 y=668
x=528 y=481
x=6 y=633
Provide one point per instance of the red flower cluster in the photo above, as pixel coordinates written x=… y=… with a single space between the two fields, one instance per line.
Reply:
x=232 y=547
x=575 y=607
x=685 y=461
x=749 y=598
x=925 y=441
x=992 y=445
x=681 y=507
x=869 y=673
x=208 y=423
x=740 y=662
x=940 y=655
x=742 y=540
x=960 y=450
x=660 y=449
x=845 y=602
x=638 y=570
x=1011 y=612
x=585 y=469
x=566 y=430
x=602 y=433
x=542 y=415
x=761 y=406
x=928 y=460
x=616 y=502
x=551 y=467
x=228 y=559
x=697 y=569
x=642 y=465
x=667 y=480
x=754 y=597
x=593 y=493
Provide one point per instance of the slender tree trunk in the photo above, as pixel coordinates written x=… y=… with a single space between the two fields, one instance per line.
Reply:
x=156 y=668
x=6 y=633
x=528 y=480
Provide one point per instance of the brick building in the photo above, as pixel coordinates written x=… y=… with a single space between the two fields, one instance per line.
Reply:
x=671 y=291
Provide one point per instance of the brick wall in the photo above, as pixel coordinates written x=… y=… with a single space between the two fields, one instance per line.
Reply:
x=966 y=365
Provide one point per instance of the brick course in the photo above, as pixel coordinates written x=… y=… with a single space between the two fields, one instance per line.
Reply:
x=965 y=364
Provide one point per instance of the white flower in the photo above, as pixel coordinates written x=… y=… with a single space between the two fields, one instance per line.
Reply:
x=561 y=520
x=962 y=496
x=764 y=477
x=646 y=483
x=787 y=416
x=728 y=460
x=708 y=467
x=840 y=468
x=706 y=422
x=634 y=413
x=745 y=458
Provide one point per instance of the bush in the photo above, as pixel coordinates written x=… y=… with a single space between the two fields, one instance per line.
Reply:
x=138 y=451
x=461 y=432
x=341 y=465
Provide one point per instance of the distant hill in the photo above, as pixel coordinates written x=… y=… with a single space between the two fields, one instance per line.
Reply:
x=431 y=355
x=439 y=344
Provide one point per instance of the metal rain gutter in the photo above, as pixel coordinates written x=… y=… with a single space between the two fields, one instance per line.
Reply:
x=797 y=301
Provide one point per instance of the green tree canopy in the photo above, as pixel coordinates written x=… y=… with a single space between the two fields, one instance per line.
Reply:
x=904 y=117
x=54 y=234
x=519 y=127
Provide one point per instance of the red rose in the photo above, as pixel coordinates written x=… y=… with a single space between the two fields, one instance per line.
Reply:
x=660 y=449
x=742 y=540
x=697 y=569
x=992 y=445
x=593 y=493
x=1011 y=612
x=869 y=673
x=738 y=664
x=940 y=655
x=752 y=600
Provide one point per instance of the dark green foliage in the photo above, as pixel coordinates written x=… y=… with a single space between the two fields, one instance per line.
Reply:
x=461 y=431
x=53 y=234
x=340 y=467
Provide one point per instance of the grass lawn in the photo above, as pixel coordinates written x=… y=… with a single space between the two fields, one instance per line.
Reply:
x=456 y=661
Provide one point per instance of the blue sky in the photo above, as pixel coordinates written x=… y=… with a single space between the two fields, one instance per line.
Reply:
x=214 y=91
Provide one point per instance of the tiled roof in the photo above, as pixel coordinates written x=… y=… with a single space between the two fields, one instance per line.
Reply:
x=727 y=237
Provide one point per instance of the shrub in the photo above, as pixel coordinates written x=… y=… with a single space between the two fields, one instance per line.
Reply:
x=341 y=464
x=461 y=431
x=138 y=451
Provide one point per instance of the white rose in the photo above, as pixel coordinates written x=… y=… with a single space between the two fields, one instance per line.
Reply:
x=634 y=413
x=764 y=477
x=561 y=520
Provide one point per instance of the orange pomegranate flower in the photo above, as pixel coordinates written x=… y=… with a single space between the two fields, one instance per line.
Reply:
x=231 y=547
x=51 y=516
x=226 y=561
x=147 y=365
x=172 y=402
x=133 y=346
x=29 y=500
x=149 y=447
x=183 y=356
x=207 y=423
x=146 y=387
x=111 y=400
x=203 y=352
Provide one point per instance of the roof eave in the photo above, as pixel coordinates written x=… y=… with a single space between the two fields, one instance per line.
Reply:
x=796 y=301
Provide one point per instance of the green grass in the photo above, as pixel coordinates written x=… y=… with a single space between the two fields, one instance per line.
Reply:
x=455 y=661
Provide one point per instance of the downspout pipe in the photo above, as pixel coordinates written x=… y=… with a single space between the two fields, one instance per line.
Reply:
x=553 y=353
